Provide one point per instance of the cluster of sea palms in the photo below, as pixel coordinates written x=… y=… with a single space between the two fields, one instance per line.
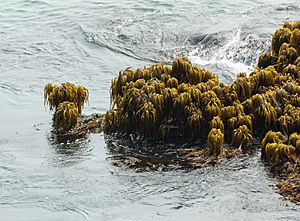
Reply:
x=183 y=100
x=282 y=144
x=67 y=101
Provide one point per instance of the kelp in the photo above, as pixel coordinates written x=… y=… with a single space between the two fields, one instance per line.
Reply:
x=66 y=101
x=65 y=116
x=215 y=141
x=160 y=102
x=54 y=95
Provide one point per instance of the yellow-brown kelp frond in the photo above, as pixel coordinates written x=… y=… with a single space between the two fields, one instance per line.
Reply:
x=243 y=87
x=111 y=121
x=215 y=141
x=82 y=97
x=195 y=123
x=295 y=120
x=242 y=137
x=211 y=105
x=262 y=79
x=147 y=120
x=65 y=116
x=265 y=60
x=183 y=100
x=294 y=140
x=159 y=71
x=172 y=83
x=217 y=123
x=292 y=70
x=186 y=97
x=227 y=95
x=54 y=95
x=278 y=153
x=287 y=55
x=280 y=36
x=181 y=97
x=181 y=67
x=47 y=91
x=295 y=38
x=271 y=137
x=243 y=119
x=232 y=110
x=185 y=72
x=285 y=124
x=285 y=48
x=248 y=106
x=263 y=112
x=292 y=87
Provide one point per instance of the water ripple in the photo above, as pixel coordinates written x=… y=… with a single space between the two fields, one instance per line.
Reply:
x=88 y=42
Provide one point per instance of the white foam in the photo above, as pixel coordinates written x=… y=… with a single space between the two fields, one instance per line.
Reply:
x=237 y=54
x=236 y=67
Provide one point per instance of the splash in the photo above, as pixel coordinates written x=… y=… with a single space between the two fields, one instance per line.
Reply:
x=238 y=53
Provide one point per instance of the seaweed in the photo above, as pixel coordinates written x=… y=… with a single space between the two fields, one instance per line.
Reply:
x=160 y=102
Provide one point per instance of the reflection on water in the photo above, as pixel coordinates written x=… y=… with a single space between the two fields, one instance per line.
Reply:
x=145 y=156
x=69 y=153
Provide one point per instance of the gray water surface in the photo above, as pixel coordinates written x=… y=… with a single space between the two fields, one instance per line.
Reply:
x=87 y=42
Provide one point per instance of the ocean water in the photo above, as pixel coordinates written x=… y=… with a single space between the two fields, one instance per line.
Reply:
x=87 y=42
